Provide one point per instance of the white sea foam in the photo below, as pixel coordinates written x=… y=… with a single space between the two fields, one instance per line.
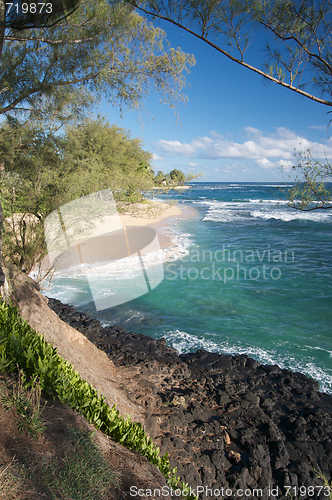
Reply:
x=259 y=186
x=224 y=215
x=103 y=276
x=185 y=342
x=271 y=202
x=228 y=211
x=288 y=216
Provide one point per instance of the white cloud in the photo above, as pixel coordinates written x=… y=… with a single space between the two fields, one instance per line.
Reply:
x=157 y=158
x=192 y=164
x=286 y=165
x=176 y=148
x=265 y=163
x=266 y=149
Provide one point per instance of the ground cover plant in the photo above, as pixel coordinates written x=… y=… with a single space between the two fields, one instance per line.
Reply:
x=25 y=405
x=74 y=468
x=22 y=347
x=81 y=474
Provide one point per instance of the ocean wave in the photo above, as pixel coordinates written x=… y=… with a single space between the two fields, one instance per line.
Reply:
x=185 y=342
x=224 y=215
x=261 y=185
x=272 y=202
x=229 y=211
x=288 y=216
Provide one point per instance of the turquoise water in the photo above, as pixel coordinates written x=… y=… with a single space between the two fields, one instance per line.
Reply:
x=254 y=277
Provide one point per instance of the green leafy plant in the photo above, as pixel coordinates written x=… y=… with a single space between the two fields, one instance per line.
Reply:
x=25 y=405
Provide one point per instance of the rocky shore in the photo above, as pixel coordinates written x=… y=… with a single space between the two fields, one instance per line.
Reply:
x=231 y=426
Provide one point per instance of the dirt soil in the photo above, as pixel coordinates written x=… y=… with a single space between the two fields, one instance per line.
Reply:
x=19 y=449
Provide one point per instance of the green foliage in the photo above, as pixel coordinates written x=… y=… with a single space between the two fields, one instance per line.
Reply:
x=310 y=190
x=177 y=176
x=21 y=346
x=295 y=36
x=101 y=50
x=81 y=474
x=40 y=171
x=29 y=187
x=26 y=406
x=97 y=156
x=174 y=178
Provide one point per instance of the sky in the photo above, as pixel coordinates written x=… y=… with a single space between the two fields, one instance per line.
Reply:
x=234 y=126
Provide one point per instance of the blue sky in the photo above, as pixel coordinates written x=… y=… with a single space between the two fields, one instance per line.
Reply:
x=234 y=127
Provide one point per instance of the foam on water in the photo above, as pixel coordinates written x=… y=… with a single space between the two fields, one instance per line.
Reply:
x=273 y=320
x=185 y=342
x=288 y=216
x=271 y=202
x=228 y=211
x=71 y=285
x=224 y=215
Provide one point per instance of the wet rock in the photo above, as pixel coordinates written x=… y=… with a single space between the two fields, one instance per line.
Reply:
x=225 y=420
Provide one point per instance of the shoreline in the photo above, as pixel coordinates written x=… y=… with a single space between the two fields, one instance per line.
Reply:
x=165 y=212
x=226 y=421
x=152 y=214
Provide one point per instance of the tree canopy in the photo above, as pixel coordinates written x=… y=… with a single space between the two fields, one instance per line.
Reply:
x=98 y=156
x=297 y=36
x=312 y=189
x=100 y=50
x=41 y=171
x=54 y=67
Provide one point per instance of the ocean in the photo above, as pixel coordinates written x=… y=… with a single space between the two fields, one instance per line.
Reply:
x=250 y=276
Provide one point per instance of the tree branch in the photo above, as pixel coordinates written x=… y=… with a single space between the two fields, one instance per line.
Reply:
x=235 y=59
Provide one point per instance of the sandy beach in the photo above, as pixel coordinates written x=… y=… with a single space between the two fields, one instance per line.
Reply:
x=157 y=215
x=156 y=218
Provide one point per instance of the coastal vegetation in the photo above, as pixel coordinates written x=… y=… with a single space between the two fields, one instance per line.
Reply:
x=77 y=469
x=101 y=50
x=53 y=70
x=51 y=75
x=41 y=366
x=41 y=170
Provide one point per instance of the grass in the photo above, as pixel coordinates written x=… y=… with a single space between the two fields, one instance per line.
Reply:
x=326 y=483
x=79 y=471
x=25 y=405
x=21 y=346
x=82 y=473
x=12 y=483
